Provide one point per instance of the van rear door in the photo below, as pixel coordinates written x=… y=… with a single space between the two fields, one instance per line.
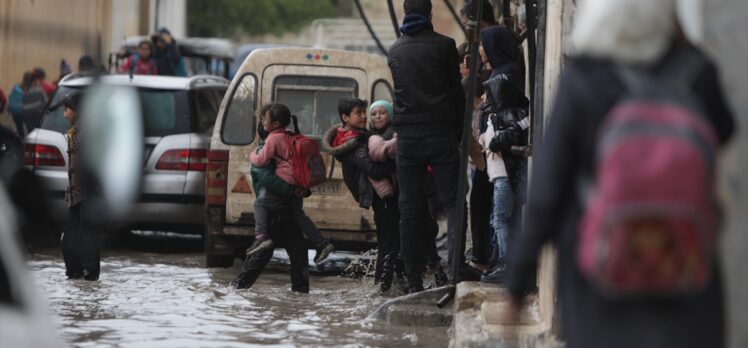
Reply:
x=312 y=93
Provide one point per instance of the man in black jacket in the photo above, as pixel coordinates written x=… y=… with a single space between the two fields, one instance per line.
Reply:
x=429 y=102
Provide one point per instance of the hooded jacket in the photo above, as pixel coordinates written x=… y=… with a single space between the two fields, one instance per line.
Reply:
x=357 y=167
x=501 y=47
x=425 y=70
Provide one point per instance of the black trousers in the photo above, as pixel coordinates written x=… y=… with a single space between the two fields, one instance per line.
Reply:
x=387 y=220
x=285 y=234
x=81 y=244
x=417 y=148
x=481 y=203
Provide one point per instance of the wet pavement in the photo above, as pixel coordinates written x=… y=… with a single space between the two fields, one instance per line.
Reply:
x=164 y=299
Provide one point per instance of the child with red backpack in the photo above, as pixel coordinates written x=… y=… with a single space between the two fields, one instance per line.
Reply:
x=279 y=150
x=142 y=62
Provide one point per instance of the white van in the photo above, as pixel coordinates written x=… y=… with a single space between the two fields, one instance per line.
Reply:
x=310 y=82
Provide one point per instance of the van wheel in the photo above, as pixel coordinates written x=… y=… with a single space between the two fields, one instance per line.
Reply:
x=219 y=261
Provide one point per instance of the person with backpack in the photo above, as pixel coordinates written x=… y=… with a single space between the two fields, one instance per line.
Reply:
x=34 y=100
x=168 y=60
x=15 y=104
x=279 y=150
x=140 y=63
x=40 y=76
x=348 y=144
x=621 y=160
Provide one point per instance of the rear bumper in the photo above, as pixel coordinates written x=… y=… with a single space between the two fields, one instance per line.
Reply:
x=332 y=235
x=153 y=211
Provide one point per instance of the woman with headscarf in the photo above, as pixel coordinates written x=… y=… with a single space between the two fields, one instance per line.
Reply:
x=609 y=34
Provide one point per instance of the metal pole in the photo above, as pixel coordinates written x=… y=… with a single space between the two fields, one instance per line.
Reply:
x=368 y=26
x=457 y=216
x=158 y=6
x=393 y=17
x=531 y=51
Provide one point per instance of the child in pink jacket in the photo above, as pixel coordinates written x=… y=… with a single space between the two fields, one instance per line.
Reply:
x=382 y=144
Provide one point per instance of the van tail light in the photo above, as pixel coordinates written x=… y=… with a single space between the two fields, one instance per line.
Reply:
x=42 y=155
x=183 y=159
x=218 y=170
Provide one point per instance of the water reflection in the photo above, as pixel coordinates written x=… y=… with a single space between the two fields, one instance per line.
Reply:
x=160 y=300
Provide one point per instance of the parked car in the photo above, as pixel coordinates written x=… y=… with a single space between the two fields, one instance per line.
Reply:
x=178 y=118
x=310 y=82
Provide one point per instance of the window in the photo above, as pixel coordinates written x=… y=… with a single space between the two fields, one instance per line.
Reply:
x=206 y=104
x=53 y=119
x=239 y=120
x=165 y=112
x=314 y=99
x=381 y=91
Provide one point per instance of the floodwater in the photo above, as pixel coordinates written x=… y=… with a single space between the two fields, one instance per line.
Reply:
x=147 y=299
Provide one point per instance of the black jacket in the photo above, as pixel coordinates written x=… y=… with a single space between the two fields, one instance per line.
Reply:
x=427 y=80
x=354 y=156
x=507 y=108
x=587 y=90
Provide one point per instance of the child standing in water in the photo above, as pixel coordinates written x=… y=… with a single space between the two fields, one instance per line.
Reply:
x=275 y=118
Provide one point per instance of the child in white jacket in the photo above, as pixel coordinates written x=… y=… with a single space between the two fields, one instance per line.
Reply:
x=503 y=196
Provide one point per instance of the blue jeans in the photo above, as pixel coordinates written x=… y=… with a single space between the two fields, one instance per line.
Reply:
x=503 y=204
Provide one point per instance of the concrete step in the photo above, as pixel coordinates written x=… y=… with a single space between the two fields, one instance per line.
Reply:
x=480 y=321
x=418 y=310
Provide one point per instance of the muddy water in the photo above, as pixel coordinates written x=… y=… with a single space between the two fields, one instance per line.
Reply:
x=168 y=300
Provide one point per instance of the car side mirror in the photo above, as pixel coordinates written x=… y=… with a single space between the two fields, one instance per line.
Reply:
x=112 y=125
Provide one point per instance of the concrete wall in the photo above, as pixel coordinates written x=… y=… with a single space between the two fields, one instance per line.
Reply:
x=725 y=38
x=171 y=14
x=41 y=32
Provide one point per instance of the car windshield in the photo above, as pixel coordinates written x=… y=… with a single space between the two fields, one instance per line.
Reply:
x=314 y=100
x=165 y=112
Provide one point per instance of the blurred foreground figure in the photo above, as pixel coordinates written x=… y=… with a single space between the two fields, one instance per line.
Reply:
x=636 y=245
x=81 y=247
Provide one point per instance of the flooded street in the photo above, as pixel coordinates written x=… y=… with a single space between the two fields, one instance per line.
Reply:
x=146 y=299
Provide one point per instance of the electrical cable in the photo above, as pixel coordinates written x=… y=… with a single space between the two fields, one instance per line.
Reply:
x=368 y=26
x=393 y=17
x=454 y=14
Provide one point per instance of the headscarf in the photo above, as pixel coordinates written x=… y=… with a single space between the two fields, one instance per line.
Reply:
x=385 y=104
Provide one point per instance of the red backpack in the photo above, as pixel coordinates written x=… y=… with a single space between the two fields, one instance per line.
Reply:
x=306 y=160
x=649 y=224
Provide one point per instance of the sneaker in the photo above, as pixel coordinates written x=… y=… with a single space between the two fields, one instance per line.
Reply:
x=323 y=251
x=440 y=278
x=258 y=246
x=494 y=277
x=479 y=266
